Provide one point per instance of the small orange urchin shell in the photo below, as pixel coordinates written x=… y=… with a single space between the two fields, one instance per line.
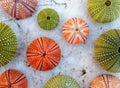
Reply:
x=43 y=54
x=105 y=81
x=75 y=31
x=19 y=9
x=13 y=79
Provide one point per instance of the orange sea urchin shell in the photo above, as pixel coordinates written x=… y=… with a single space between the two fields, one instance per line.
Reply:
x=19 y=9
x=43 y=54
x=75 y=31
x=105 y=81
x=13 y=79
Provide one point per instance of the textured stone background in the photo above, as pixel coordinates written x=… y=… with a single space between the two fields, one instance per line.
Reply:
x=77 y=60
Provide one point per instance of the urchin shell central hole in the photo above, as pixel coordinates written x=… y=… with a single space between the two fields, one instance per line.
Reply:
x=119 y=49
x=108 y=3
x=44 y=54
x=48 y=18
x=77 y=29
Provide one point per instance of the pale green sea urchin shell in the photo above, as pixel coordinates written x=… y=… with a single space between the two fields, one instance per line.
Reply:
x=104 y=10
x=48 y=19
x=8 y=44
x=61 y=81
x=107 y=50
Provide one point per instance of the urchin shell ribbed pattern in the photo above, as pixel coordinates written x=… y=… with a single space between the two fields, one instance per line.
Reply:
x=48 y=19
x=107 y=50
x=19 y=9
x=13 y=79
x=105 y=81
x=43 y=54
x=61 y=81
x=104 y=10
x=75 y=31
x=8 y=44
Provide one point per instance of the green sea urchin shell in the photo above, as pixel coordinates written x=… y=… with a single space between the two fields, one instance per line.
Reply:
x=48 y=19
x=107 y=50
x=8 y=44
x=61 y=81
x=104 y=10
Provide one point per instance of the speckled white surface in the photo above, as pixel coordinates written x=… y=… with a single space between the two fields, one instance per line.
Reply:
x=75 y=58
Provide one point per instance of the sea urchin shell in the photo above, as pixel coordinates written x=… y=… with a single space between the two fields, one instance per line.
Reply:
x=107 y=50
x=61 y=81
x=105 y=81
x=48 y=19
x=19 y=9
x=13 y=79
x=104 y=10
x=8 y=44
x=75 y=31
x=43 y=54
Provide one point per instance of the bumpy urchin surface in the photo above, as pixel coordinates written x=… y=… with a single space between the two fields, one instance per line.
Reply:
x=61 y=81
x=13 y=79
x=48 y=19
x=107 y=50
x=105 y=81
x=8 y=44
x=75 y=31
x=19 y=9
x=43 y=54
x=104 y=10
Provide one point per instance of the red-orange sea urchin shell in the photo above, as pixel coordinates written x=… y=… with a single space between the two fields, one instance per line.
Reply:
x=75 y=31
x=105 y=81
x=43 y=54
x=13 y=79
x=19 y=9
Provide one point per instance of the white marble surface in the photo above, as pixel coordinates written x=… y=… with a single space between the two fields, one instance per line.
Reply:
x=75 y=58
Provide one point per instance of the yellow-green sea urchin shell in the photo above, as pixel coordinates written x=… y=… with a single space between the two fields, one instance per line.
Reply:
x=61 y=81
x=48 y=19
x=104 y=10
x=107 y=50
x=8 y=44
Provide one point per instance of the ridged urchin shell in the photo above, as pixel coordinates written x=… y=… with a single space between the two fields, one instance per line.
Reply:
x=61 y=81
x=8 y=44
x=43 y=54
x=75 y=31
x=48 y=19
x=13 y=79
x=104 y=10
x=105 y=81
x=19 y=9
x=107 y=50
